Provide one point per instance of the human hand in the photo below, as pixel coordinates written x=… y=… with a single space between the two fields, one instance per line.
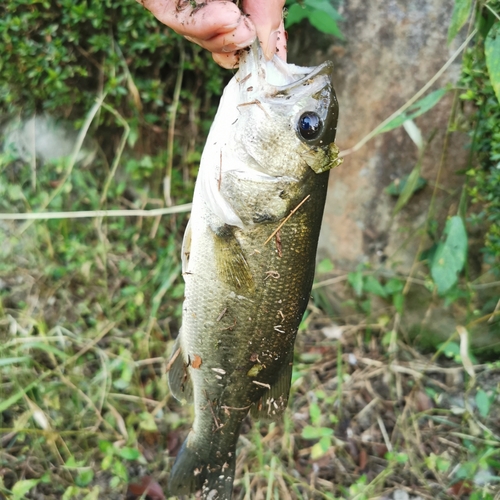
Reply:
x=222 y=28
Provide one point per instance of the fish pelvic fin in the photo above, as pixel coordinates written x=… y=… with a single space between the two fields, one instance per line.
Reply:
x=179 y=380
x=192 y=472
x=274 y=400
x=232 y=266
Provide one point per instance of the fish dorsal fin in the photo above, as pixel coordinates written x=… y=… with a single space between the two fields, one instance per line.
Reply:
x=179 y=380
x=273 y=401
x=232 y=266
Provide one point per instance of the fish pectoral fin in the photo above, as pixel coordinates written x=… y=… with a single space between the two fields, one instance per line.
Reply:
x=186 y=247
x=273 y=401
x=179 y=380
x=232 y=266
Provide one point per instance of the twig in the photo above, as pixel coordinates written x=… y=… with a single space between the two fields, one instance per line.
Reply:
x=119 y=152
x=286 y=219
x=98 y=213
x=492 y=11
x=78 y=145
x=167 y=181
x=383 y=430
x=408 y=103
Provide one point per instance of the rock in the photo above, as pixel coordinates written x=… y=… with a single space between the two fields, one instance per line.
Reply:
x=392 y=49
x=43 y=138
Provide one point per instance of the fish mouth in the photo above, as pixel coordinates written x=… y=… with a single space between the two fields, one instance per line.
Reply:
x=310 y=88
x=318 y=84
x=319 y=72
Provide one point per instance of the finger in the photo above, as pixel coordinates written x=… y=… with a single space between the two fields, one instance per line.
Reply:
x=202 y=23
x=281 y=42
x=242 y=36
x=228 y=61
x=267 y=16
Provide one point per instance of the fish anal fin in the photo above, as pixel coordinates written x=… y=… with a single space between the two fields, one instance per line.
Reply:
x=273 y=401
x=232 y=266
x=179 y=380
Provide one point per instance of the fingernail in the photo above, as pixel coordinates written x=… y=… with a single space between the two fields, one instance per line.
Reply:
x=270 y=48
x=230 y=26
x=231 y=47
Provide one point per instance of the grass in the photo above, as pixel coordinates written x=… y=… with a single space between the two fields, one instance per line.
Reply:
x=86 y=408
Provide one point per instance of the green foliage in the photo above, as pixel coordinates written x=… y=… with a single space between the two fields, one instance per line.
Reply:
x=20 y=489
x=58 y=56
x=450 y=255
x=492 y=55
x=461 y=11
x=480 y=77
x=320 y=13
x=417 y=109
x=396 y=187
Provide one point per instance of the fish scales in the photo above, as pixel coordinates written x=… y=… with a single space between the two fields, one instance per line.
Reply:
x=248 y=259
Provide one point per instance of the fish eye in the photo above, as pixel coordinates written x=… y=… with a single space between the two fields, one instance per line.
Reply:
x=310 y=125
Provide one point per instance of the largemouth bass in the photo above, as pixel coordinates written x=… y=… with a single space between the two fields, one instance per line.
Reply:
x=248 y=258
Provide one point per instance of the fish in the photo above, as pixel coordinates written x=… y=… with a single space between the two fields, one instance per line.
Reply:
x=248 y=258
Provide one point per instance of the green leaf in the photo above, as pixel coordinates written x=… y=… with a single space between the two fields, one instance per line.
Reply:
x=325 y=24
x=320 y=13
x=106 y=447
x=321 y=447
x=419 y=108
x=450 y=256
x=396 y=187
x=20 y=489
x=315 y=413
x=398 y=302
x=492 y=53
x=324 y=6
x=410 y=187
x=47 y=348
x=18 y=395
x=84 y=478
x=483 y=403
x=394 y=285
x=93 y=495
x=147 y=422
x=107 y=461
x=129 y=453
x=461 y=11
x=295 y=14
x=310 y=432
x=120 y=470
x=12 y=361
x=372 y=285
x=325 y=266
x=356 y=281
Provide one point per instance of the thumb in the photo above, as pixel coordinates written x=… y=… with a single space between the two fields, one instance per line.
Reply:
x=267 y=17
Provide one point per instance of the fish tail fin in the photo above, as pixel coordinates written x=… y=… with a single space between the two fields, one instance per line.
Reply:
x=210 y=472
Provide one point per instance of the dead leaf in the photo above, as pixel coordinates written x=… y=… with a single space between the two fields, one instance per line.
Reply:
x=461 y=488
x=363 y=459
x=147 y=486
x=422 y=401
x=196 y=362
x=173 y=443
